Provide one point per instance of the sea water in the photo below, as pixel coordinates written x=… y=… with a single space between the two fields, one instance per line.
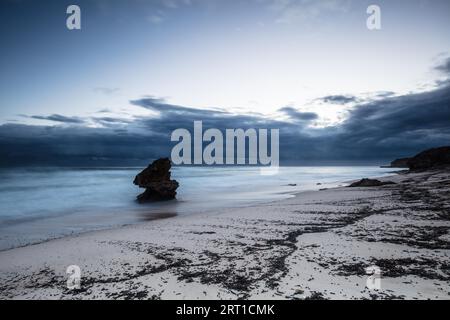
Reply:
x=38 y=204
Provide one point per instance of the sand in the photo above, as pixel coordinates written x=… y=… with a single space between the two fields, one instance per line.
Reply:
x=315 y=245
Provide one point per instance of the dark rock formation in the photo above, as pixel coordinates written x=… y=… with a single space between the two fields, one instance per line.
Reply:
x=370 y=183
x=429 y=159
x=400 y=163
x=156 y=180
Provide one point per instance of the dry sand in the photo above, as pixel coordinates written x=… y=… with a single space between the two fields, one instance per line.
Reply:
x=316 y=245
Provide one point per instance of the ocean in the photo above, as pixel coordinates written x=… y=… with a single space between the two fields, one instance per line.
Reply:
x=38 y=204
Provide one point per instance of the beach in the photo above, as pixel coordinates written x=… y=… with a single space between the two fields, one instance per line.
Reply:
x=39 y=204
x=316 y=245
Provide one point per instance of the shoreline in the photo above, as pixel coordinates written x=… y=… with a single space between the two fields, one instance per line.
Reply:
x=143 y=215
x=170 y=216
x=313 y=245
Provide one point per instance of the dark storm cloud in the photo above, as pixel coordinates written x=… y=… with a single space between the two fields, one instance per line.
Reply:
x=171 y=117
x=159 y=105
x=338 y=99
x=387 y=128
x=59 y=118
x=111 y=121
x=76 y=146
x=138 y=142
x=398 y=126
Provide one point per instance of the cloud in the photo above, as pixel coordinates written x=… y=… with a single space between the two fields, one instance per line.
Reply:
x=77 y=146
x=339 y=99
x=155 y=19
x=294 y=114
x=162 y=9
x=292 y=11
x=106 y=91
x=384 y=94
x=380 y=130
x=105 y=110
x=59 y=118
x=160 y=105
x=111 y=121
x=398 y=126
x=171 y=4
x=444 y=66
x=171 y=117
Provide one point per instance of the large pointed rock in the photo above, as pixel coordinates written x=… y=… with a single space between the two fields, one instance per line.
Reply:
x=156 y=181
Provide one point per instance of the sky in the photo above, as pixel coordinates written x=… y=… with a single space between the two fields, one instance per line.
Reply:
x=112 y=91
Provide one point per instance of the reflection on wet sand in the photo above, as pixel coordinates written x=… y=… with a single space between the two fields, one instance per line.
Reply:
x=150 y=216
